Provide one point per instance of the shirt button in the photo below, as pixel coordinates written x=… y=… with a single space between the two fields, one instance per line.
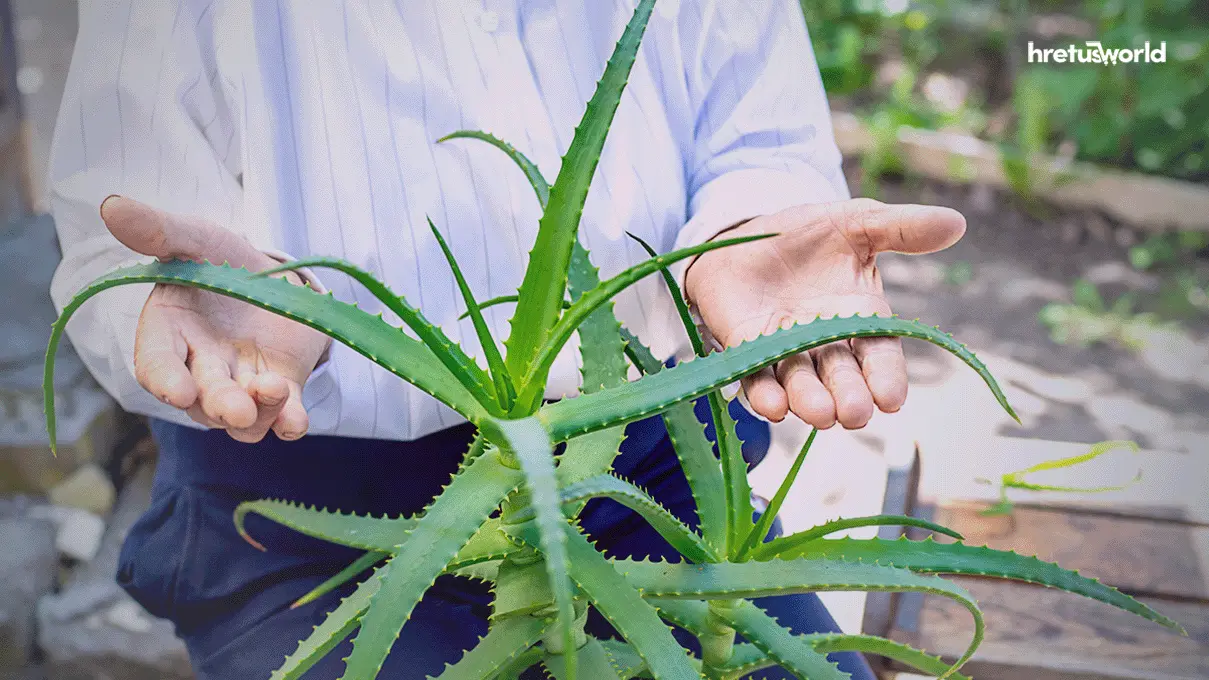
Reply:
x=489 y=21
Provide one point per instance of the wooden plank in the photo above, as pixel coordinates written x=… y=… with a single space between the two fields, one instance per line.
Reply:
x=1172 y=485
x=1140 y=556
x=1041 y=634
x=1146 y=201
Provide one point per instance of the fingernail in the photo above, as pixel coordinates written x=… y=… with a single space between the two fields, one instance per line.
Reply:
x=106 y=202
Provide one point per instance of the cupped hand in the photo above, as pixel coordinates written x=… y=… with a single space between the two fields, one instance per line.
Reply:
x=823 y=263
x=226 y=363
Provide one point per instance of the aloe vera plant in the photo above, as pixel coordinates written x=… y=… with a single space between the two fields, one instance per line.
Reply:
x=509 y=514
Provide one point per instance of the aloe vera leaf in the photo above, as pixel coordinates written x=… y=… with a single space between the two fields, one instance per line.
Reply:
x=780 y=643
x=590 y=301
x=748 y=658
x=701 y=467
x=369 y=335
x=626 y=662
x=527 y=442
x=603 y=367
x=336 y=627
x=504 y=389
x=359 y=566
x=788 y=546
x=656 y=393
x=355 y=531
x=683 y=539
x=528 y=659
x=541 y=291
x=447 y=525
x=760 y=532
x=504 y=643
x=930 y=557
x=448 y=352
x=540 y=186
x=625 y=609
x=592 y=660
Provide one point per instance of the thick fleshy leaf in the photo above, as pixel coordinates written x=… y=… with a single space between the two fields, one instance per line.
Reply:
x=748 y=658
x=448 y=352
x=540 y=186
x=656 y=393
x=446 y=526
x=592 y=660
x=526 y=442
x=592 y=300
x=626 y=662
x=542 y=290
x=760 y=532
x=781 y=644
x=338 y=625
x=367 y=334
x=359 y=566
x=788 y=546
x=504 y=643
x=682 y=538
x=504 y=390
x=625 y=609
x=931 y=557
x=356 y=531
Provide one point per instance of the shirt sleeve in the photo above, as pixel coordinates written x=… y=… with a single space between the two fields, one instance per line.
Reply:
x=762 y=140
x=145 y=114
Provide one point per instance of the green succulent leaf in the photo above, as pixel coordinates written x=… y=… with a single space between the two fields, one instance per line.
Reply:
x=625 y=609
x=626 y=662
x=526 y=441
x=369 y=335
x=928 y=556
x=359 y=566
x=592 y=660
x=656 y=393
x=682 y=538
x=871 y=644
x=532 y=173
x=776 y=641
x=541 y=292
x=789 y=546
x=447 y=525
x=760 y=532
x=590 y=301
x=504 y=389
x=448 y=352
x=336 y=627
x=356 y=531
x=504 y=644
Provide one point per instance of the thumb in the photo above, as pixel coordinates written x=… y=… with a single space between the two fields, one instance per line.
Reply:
x=150 y=231
x=912 y=229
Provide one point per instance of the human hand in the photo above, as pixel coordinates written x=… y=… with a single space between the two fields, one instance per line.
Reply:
x=824 y=262
x=226 y=363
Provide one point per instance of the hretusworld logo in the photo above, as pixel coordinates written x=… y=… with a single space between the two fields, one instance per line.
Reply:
x=1094 y=52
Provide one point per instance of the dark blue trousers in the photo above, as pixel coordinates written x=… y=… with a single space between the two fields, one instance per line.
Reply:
x=184 y=561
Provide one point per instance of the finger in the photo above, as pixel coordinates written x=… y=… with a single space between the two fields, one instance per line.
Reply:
x=808 y=398
x=841 y=374
x=159 y=361
x=195 y=412
x=885 y=370
x=292 y=422
x=221 y=397
x=269 y=391
x=765 y=395
x=149 y=231
x=914 y=229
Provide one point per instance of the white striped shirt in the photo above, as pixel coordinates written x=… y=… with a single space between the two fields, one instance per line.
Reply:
x=310 y=126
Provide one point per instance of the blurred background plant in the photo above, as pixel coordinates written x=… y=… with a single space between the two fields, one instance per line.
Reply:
x=962 y=65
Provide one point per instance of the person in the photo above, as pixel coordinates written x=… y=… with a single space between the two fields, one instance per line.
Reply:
x=250 y=132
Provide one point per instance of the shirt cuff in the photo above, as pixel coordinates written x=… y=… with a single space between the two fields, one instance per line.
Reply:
x=741 y=195
x=322 y=380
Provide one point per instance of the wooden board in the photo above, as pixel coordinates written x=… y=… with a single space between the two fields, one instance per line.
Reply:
x=1041 y=634
x=1137 y=555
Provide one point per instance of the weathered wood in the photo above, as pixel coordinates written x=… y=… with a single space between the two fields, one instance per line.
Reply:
x=1140 y=556
x=1042 y=634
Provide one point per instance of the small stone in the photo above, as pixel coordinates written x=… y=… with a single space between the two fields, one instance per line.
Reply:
x=88 y=488
x=78 y=532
